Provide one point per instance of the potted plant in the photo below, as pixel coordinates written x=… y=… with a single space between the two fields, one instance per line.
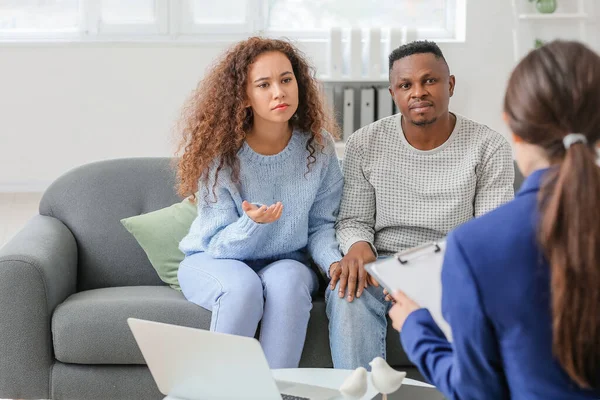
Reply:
x=545 y=6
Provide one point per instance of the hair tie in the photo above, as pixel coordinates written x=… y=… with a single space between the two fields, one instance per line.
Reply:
x=573 y=138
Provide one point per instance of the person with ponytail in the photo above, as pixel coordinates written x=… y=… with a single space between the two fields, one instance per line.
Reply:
x=521 y=284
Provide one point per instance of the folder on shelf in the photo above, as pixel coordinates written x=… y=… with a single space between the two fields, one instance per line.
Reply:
x=348 y=113
x=356 y=53
x=367 y=106
x=329 y=95
x=385 y=106
x=375 y=58
x=335 y=53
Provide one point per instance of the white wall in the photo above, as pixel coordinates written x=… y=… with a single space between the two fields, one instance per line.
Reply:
x=64 y=105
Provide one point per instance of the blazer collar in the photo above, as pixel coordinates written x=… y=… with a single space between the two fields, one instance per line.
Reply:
x=533 y=182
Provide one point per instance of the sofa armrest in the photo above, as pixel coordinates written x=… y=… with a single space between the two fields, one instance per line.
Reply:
x=38 y=270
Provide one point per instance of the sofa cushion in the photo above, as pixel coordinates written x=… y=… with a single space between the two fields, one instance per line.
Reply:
x=103 y=382
x=91 y=327
x=159 y=233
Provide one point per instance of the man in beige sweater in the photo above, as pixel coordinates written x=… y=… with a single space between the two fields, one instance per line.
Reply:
x=408 y=179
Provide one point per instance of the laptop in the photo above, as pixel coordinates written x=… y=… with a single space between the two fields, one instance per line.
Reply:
x=195 y=364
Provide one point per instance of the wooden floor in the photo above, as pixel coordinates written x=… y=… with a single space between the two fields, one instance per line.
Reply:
x=15 y=210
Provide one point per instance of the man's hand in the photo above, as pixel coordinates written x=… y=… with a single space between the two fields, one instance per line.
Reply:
x=263 y=214
x=350 y=271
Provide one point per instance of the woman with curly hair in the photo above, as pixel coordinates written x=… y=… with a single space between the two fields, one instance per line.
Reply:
x=268 y=186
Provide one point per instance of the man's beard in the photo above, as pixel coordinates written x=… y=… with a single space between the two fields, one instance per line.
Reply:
x=423 y=123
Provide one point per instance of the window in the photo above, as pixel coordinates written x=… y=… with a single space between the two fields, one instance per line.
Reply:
x=197 y=19
x=30 y=16
x=128 y=12
x=130 y=17
x=224 y=12
x=305 y=15
x=218 y=17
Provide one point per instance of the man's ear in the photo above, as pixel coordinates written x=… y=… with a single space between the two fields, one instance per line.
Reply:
x=393 y=99
x=452 y=84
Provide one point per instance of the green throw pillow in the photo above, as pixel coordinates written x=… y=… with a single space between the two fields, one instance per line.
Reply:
x=159 y=233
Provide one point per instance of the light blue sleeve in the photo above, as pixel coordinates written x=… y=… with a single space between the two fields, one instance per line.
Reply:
x=219 y=229
x=322 y=243
x=470 y=367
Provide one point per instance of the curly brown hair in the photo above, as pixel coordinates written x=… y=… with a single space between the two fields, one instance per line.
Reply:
x=214 y=121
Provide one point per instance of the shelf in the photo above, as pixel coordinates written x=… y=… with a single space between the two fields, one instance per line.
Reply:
x=553 y=16
x=353 y=80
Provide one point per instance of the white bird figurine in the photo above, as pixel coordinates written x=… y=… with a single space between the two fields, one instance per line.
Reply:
x=385 y=379
x=355 y=385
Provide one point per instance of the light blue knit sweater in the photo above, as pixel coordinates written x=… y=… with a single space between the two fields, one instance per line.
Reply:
x=310 y=206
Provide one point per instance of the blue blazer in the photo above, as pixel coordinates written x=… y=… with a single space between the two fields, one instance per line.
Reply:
x=496 y=297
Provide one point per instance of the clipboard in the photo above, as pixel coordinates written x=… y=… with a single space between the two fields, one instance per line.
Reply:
x=418 y=273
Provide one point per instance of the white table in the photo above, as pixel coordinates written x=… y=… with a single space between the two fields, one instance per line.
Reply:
x=330 y=378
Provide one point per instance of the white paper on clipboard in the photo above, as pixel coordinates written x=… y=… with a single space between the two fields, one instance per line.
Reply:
x=418 y=273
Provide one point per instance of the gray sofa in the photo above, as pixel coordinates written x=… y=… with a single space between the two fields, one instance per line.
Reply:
x=73 y=275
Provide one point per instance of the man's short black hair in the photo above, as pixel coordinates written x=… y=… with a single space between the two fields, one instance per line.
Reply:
x=417 y=47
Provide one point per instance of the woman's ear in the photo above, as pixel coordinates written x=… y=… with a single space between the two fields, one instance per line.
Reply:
x=517 y=139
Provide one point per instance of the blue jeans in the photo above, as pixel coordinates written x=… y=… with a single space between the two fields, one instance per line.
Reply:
x=241 y=294
x=357 y=330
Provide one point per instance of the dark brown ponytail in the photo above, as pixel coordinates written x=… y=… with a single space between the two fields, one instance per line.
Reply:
x=570 y=236
x=553 y=92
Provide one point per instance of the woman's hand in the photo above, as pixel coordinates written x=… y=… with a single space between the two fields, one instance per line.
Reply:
x=388 y=296
x=263 y=214
x=401 y=310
